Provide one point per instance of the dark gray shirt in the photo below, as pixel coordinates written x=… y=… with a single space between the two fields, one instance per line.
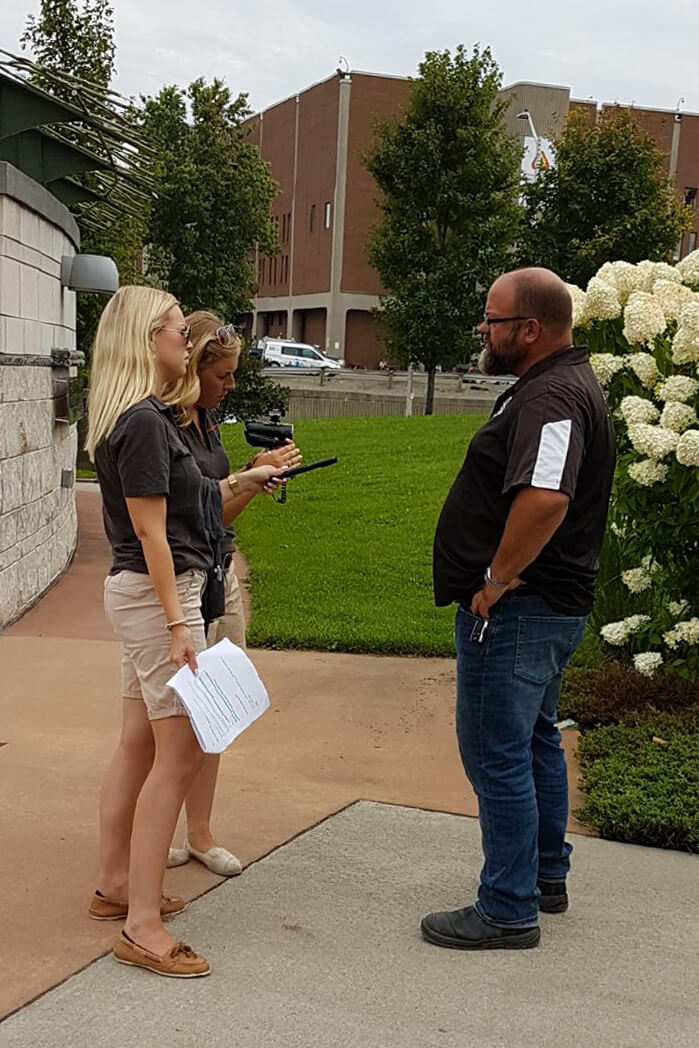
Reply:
x=550 y=430
x=210 y=456
x=145 y=455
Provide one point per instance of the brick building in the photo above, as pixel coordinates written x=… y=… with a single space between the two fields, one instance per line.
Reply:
x=320 y=288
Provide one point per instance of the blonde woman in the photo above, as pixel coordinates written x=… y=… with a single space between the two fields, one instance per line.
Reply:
x=210 y=375
x=150 y=487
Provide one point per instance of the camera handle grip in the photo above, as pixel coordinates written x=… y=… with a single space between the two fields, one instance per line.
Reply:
x=289 y=474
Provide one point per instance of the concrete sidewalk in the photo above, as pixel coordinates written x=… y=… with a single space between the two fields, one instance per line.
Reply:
x=342 y=728
x=317 y=946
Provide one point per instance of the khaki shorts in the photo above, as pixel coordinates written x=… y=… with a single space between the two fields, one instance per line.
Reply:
x=138 y=619
x=232 y=622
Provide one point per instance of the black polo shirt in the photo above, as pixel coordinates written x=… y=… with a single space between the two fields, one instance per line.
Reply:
x=550 y=430
x=210 y=456
x=145 y=455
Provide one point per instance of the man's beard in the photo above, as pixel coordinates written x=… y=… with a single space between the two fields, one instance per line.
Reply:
x=503 y=361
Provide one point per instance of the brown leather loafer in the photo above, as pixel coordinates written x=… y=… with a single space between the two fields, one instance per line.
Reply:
x=103 y=909
x=181 y=962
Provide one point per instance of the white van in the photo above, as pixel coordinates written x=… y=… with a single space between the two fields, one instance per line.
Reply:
x=287 y=354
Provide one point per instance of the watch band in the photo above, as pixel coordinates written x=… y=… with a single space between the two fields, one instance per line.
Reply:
x=493 y=582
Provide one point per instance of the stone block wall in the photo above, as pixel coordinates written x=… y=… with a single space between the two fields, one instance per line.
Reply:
x=38 y=527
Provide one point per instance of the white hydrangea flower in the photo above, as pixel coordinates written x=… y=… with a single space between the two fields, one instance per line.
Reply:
x=643 y=319
x=648 y=472
x=648 y=662
x=677 y=607
x=616 y=530
x=645 y=368
x=645 y=273
x=663 y=271
x=653 y=441
x=579 y=299
x=605 y=366
x=638 y=409
x=687 y=451
x=637 y=580
x=678 y=387
x=671 y=297
x=601 y=301
x=689 y=314
x=689 y=268
x=683 y=633
x=615 y=633
x=678 y=416
x=621 y=275
x=619 y=632
x=685 y=346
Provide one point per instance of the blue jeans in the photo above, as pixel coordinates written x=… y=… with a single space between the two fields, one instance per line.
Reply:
x=508 y=685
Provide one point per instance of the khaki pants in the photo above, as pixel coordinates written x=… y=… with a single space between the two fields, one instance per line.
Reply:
x=138 y=619
x=232 y=622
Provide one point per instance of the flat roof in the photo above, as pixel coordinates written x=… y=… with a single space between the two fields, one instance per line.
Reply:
x=506 y=87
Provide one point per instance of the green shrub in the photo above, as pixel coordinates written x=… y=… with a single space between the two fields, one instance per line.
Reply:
x=640 y=791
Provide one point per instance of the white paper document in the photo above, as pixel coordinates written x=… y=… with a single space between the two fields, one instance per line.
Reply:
x=225 y=696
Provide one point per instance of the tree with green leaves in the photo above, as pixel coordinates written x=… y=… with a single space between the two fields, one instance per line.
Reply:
x=449 y=174
x=607 y=197
x=215 y=193
x=67 y=36
x=73 y=38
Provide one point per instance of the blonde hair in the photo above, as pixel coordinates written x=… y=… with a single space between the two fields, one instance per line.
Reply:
x=212 y=340
x=123 y=371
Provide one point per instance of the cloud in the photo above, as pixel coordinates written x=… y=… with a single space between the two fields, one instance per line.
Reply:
x=272 y=49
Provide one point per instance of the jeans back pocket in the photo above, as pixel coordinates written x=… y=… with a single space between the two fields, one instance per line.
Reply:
x=545 y=645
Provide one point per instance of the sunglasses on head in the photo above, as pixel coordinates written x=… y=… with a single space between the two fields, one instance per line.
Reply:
x=225 y=332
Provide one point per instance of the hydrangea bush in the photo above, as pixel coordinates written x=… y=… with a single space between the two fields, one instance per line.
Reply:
x=641 y=324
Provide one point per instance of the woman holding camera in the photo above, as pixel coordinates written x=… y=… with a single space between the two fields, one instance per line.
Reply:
x=150 y=486
x=209 y=377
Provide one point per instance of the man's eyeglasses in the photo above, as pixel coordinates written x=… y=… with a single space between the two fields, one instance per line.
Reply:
x=502 y=320
x=186 y=332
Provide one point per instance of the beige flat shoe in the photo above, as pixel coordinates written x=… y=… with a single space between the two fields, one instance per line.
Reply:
x=218 y=860
x=103 y=909
x=177 y=857
x=181 y=962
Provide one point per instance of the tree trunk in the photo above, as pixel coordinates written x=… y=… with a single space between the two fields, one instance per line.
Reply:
x=429 y=399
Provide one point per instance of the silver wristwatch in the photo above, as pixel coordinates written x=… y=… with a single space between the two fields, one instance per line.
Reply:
x=493 y=582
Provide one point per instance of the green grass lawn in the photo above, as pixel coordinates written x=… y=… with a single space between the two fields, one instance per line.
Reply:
x=346 y=564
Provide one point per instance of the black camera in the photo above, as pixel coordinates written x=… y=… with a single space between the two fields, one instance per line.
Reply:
x=269 y=435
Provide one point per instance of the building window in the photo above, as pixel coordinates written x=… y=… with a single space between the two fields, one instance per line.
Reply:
x=275 y=270
x=692 y=242
x=677 y=253
x=326 y=216
x=312 y=220
x=690 y=198
x=288 y=226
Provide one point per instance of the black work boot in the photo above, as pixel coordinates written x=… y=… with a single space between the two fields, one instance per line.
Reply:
x=554 y=897
x=466 y=930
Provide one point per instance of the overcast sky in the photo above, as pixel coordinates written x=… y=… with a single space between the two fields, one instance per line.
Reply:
x=611 y=50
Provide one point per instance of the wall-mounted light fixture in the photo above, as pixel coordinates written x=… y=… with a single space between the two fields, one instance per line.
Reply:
x=90 y=273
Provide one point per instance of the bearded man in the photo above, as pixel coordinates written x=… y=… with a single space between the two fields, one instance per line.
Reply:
x=517 y=549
